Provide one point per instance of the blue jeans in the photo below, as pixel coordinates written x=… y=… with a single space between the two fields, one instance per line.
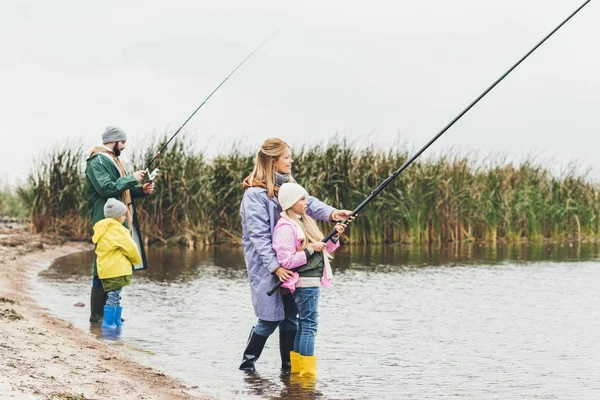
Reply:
x=289 y=324
x=114 y=298
x=307 y=300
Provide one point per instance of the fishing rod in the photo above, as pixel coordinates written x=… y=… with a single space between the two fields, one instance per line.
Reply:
x=152 y=175
x=436 y=137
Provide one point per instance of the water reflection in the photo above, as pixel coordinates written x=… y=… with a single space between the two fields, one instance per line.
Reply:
x=463 y=254
x=167 y=265
x=501 y=322
x=287 y=386
x=180 y=265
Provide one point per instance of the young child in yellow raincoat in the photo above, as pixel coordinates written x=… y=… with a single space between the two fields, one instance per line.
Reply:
x=116 y=253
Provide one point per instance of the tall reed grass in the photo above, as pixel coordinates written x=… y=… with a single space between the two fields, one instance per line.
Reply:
x=451 y=198
x=55 y=194
x=11 y=205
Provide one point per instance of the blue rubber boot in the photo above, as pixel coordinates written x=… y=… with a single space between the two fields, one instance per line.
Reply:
x=118 y=321
x=109 y=318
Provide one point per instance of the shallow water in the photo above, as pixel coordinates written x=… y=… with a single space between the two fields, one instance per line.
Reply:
x=473 y=322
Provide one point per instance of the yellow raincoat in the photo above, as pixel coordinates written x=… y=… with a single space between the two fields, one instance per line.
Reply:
x=115 y=249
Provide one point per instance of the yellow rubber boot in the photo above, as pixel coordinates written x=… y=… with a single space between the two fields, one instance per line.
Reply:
x=295 y=360
x=308 y=366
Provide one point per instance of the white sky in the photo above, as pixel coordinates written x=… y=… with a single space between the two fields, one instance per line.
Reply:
x=371 y=71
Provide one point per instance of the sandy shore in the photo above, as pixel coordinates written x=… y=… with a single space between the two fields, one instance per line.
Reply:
x=43 y=357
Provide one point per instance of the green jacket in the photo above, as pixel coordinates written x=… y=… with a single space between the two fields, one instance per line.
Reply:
x=103 y=182
x=314 y=265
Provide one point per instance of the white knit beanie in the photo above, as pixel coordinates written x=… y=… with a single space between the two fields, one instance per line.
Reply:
x=289 y=194
x=114 y=208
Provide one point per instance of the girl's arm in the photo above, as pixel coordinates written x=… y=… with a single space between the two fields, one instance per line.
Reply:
x=332 y=246
x=284 y=244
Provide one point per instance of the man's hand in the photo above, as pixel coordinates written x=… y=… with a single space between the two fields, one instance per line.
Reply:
x=139 y=175
x=148 y=188
x=283 y=274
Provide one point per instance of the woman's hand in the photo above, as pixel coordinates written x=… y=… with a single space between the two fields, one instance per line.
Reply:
x=340 y=215
x=340 y=228
x=319 y=246
x=283 y=274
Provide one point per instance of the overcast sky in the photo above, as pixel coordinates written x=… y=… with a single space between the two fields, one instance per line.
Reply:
x=370 y=71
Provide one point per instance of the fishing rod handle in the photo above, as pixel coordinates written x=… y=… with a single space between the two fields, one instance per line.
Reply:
x=333 y=232
x=325 y=240
x=347 y=220
x=274 y=288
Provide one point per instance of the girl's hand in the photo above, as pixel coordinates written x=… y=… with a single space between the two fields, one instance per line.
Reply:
x=319 y=246
x=340 y=228
x=283 y=274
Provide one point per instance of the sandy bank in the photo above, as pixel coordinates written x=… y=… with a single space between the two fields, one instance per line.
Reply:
x=42 y=357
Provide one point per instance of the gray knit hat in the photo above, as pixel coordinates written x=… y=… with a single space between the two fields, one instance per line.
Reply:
x=113 y=134
x=114 y=208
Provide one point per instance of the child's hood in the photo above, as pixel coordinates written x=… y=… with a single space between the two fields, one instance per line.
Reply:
x=102 y=227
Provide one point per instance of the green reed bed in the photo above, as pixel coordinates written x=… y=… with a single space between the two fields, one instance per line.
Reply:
x=55 y=194
x=11 y=205
x=452 y=198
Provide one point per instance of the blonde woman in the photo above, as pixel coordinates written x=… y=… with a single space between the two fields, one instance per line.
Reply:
x=260 y=212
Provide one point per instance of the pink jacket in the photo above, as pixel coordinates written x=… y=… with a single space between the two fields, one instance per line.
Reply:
x=287 y=238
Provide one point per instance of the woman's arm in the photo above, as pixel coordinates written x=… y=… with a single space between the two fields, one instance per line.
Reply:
x=256 y=215
x=319 y=210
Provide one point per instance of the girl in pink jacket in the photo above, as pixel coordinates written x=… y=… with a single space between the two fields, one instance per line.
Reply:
x=297 y=243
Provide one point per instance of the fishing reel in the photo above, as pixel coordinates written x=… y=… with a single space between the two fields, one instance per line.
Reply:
x=152 y=175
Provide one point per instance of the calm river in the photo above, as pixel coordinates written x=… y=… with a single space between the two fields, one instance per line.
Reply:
x=398 y=323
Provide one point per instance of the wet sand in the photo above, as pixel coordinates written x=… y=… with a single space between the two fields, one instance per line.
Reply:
x=43 y=357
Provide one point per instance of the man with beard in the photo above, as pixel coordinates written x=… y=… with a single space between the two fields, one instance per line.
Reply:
x=105 y=176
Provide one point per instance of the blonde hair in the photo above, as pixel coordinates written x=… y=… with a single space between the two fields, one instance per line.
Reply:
x=312 y=232
x=266 y=158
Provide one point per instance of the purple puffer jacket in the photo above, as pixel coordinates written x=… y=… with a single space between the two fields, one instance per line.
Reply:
x=259 y=216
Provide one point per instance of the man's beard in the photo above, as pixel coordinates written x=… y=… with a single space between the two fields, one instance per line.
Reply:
x=116 y=149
